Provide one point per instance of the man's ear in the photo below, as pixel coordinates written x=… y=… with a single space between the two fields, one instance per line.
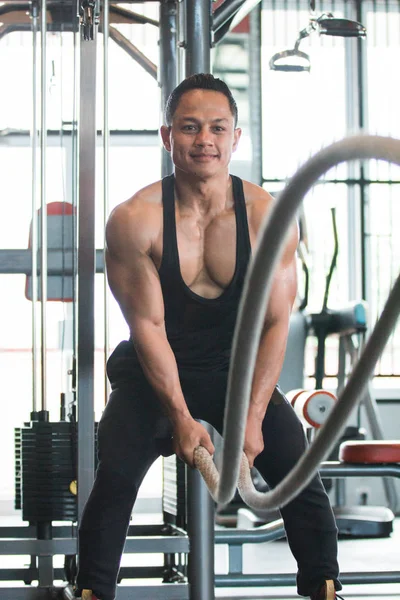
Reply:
x=236 y=137
x=165 y=131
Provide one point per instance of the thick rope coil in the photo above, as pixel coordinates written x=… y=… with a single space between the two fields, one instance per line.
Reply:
x=204 y=463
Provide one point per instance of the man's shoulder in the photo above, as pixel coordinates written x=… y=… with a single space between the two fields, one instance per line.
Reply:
x=147 y=198
x=137 y=220
x=256 y=196
x=144 y=205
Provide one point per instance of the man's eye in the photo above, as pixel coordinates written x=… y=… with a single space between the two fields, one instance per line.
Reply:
x=218 y=129
x=188 y=127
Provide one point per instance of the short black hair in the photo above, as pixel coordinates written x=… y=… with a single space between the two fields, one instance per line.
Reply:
x=199 y=81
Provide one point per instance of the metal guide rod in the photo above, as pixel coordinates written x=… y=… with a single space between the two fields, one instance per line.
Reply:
x=353 y=91
x=133 y=51
x=198 y=36
x=106 y=190
x=181 y=36
x=243 y=11
x=200 y=525
x=86 y=254
x=375 y=423
x=74 y=198
x=255 y=95
x=167 y=73
x=34 y=228
x=43 y=253
x=226 y=11
x=200 y=503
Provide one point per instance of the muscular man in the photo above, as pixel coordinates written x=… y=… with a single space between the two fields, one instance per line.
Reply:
x=177 y=254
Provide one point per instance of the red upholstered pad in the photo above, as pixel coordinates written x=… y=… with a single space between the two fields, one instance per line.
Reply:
x=376 y=451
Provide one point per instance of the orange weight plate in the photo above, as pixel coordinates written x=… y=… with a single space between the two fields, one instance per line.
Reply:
x=371 y=452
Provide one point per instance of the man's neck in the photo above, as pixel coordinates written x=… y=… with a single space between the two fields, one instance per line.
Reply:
x=205 y=195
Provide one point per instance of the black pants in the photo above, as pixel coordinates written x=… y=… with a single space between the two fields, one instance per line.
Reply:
x=132 y=434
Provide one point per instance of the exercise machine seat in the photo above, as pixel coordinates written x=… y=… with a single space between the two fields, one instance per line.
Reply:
x=370 y=452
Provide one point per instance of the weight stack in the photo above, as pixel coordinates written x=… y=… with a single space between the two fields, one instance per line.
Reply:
x=174 y=491
x=46 y=471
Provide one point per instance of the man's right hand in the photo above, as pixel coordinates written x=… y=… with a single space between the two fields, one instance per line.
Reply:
x=187 y=435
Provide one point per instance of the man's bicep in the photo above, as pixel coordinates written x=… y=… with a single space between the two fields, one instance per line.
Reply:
x=135 y=285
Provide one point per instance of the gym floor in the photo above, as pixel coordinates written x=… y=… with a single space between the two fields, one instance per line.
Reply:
x=354 y=556
x=275 y=557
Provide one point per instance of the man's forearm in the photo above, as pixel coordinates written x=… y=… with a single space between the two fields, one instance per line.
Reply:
x=160 y=368
x=269 y=363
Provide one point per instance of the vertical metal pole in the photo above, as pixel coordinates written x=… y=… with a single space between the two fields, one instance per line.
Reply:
x=75 y=194
x=181 y=36
x=106 y=153
x=255 y=94
x=200 y=506
x=86 y=269
x=375 y=423
x=168 y=75
x=34 y=231
x=198 y=36
x=200 y=517
x=44 y=529
x=353 y=118
x=43 y=221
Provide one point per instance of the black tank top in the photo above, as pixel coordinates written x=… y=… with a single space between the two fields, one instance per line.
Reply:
x=199 y=330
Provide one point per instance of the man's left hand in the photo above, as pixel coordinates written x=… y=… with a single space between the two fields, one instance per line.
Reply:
x=253 y=439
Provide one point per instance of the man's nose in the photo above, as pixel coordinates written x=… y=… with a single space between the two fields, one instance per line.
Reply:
x=204 y=137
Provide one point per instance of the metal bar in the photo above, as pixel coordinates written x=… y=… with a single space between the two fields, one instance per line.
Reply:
x=132 y=17
x=337 y=469
x=181 y=37
x=225 y=12
x=266 y=533
x=43 y=220
x=164 y=591
x=59 y=262
x=354 y=259
x=45 y=569
x=198 y=36
x=376 y=428
x=146 y=134
x=145 y=545
x=74 y=200
x=133 y=52
x=168 y=71
x=64 y=531
x=106 y=190
x=243 y=11
x=200 y=507
x=28 y=574
x=86 y=270
x=221 y=33
x=347 y=181
x=362 y=84
x=34 y=227
x=287 y=579
x=255 y=96
x=235 y=558
x=27 y=593
x=141 y=572
x=156 y=544
x=37 y=547
x=267 y=580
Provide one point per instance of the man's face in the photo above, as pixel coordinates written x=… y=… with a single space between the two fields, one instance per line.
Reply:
x=203 y=135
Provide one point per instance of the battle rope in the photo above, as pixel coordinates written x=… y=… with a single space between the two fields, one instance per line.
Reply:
x=250 y=322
